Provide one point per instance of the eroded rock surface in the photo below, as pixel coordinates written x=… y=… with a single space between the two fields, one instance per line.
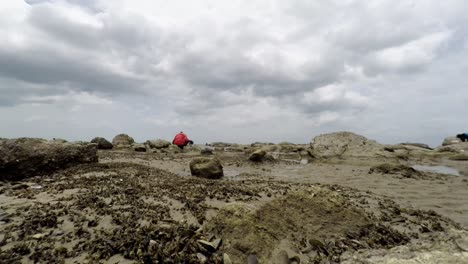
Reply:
x=342 y=144
x=26 y=157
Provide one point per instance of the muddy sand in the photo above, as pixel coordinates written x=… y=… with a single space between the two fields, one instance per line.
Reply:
x=147 y=208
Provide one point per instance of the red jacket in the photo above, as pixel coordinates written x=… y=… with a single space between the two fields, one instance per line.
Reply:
x=180 y=139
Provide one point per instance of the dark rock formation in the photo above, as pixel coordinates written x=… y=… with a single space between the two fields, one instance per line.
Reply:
x=26 y=157
x=102 y=143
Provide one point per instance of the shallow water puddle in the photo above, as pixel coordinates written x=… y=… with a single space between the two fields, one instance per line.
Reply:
x=437 y=169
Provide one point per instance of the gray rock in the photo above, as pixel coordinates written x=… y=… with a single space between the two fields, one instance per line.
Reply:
x=226 y=259
x=457 y=148
x=252 y=259
x=102 y=143
x=158 y=143
x=26 y=157
x=206 y=168
x=206 y=151
x=122 y=141
x=341 y=144
x=257 y=155
x=139 y=148
x=420 y=145
x=450 y=141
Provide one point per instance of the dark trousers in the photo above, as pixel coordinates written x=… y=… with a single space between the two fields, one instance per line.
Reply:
x=185 y=144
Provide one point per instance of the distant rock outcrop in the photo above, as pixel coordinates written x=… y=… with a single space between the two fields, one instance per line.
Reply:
x=122 y=141
x=102 y=143
x=450 y=141
x=27 y=157
x=206 y=168
x=458 y=147
x=158 y=143
x=342 y=144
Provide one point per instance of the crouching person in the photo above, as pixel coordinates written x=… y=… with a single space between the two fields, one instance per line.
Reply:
x=181 y=140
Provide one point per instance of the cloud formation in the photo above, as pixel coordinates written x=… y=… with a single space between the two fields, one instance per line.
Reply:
x=227 y=70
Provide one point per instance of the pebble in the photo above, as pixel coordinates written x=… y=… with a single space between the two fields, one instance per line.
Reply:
x=252 y=259
x=226 y=259
x=38 y=236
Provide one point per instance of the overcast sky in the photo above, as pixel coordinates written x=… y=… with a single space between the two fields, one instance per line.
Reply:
x=234 y=71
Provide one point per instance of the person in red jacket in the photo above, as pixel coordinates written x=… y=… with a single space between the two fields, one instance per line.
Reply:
x=181 y=140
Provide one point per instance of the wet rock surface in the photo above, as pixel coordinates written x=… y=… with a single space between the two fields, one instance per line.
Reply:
x=206 y=168
x=400 y=169
x=27 y=157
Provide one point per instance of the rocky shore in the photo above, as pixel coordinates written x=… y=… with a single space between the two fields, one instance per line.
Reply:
x=341 y=198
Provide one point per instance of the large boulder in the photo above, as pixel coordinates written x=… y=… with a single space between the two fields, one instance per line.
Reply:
x=122 y=141
x=257 y=155
x=158 y=143
x=343 y=144
x=26 y=157
x=450 y=141
x=206 y=168
x=102 y=143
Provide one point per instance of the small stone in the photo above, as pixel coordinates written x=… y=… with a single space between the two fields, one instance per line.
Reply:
x=152 y=242
x=207 y=245
x=252 y=259
x=19 y=186
x=216 y=243
x=58 y=232
x=4 y=216
x=282 y=258
x=38 y=236
x=202 y=258
x=226 y=259
x=462 y=243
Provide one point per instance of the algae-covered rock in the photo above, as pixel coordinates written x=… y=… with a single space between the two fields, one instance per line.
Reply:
x=122 y=141
x=206 y=168
x=27 y=157
x=257 y=155
x=387 y=168
x=102 y=143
